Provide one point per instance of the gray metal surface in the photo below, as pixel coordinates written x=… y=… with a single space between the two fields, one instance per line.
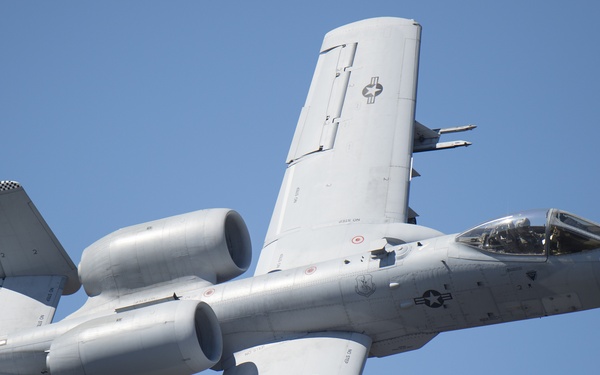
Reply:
x=344 y=275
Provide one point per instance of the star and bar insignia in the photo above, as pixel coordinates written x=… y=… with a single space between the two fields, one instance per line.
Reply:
x=433 y=298
x=372 y=90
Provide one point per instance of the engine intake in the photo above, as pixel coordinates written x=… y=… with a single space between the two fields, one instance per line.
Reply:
x=172 y=338
x=213 y=245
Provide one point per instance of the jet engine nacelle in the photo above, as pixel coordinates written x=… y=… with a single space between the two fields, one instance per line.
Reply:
x=213 y=245
x=172 y=338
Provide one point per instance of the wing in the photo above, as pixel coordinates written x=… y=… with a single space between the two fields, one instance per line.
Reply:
x=332 y=353
x=34 y=267
x=349 y=165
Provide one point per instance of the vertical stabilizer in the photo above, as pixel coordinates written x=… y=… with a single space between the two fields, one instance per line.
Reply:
x=34 y=267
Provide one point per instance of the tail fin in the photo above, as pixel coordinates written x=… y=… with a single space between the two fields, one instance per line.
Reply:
x=35 y=269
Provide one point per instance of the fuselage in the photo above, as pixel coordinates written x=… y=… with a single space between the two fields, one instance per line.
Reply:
x=401 y=297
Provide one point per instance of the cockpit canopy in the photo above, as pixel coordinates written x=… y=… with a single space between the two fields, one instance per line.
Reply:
x=536 y=232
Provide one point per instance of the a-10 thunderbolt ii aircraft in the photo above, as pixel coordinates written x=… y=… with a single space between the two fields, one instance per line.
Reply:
x=345 y=272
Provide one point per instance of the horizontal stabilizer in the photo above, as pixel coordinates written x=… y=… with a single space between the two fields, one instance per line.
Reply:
x=28 y=301
x=426 y=139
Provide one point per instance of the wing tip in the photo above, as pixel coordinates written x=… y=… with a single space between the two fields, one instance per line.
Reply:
x=371 y=26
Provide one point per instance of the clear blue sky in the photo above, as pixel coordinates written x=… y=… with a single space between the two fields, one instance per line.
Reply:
x=115 y=113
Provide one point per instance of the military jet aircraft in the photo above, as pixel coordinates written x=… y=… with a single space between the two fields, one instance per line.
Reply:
x=345 y=273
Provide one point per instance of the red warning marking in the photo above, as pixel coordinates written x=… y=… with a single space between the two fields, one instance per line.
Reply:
x=357 y=240
x=310 y=270
x=209 y=292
